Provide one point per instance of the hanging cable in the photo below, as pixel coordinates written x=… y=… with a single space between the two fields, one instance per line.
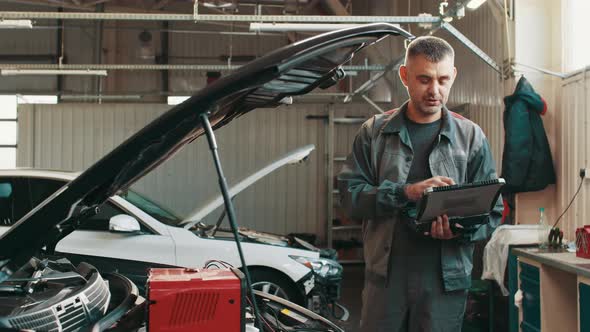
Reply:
x=570 y=204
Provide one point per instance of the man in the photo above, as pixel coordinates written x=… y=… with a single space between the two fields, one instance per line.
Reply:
x=416 y=282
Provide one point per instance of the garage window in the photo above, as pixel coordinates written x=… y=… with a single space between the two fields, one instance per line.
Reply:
x=8 y=124
x=8 y=131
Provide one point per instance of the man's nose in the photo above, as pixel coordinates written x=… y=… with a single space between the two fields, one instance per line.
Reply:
x=433 y=88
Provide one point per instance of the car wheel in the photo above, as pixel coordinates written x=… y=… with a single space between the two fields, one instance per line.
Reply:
x=274 y=283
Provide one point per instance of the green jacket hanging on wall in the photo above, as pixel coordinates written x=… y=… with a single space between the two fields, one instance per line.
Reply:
x=526 y=163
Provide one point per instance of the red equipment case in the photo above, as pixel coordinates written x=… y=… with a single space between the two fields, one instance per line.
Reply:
x=583 y=242
x=204 y=300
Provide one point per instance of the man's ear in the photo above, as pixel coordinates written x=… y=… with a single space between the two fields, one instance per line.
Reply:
x=454 y=73
x=403 y=74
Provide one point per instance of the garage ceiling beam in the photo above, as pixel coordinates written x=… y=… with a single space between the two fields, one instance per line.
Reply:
x=365 y=87
x=336 y=7
x=12 y=66
x=472 y=47
x=217 y=17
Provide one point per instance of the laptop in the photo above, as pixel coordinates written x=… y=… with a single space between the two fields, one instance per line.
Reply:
x=466 y=204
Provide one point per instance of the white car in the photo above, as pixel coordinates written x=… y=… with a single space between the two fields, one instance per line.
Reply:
x=131 y=233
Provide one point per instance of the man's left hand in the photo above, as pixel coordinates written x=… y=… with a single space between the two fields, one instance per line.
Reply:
x=440 y=229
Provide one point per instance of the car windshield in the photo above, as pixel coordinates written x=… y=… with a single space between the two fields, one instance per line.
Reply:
x=151 y=208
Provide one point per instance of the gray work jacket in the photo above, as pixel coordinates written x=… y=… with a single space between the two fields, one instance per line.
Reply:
x=372 y=179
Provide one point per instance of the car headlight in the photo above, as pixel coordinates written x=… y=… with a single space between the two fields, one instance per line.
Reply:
x=322 y=266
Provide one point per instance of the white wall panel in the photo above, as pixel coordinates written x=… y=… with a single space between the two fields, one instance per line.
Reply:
x=572 y=152
x=537 y=38
x=73 y=136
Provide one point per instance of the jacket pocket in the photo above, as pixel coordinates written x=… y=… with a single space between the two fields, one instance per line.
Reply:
x=394 y=167
x=377 y=237
x=456 y=168
x=456 y=259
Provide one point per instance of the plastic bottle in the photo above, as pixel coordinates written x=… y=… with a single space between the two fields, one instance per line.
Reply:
x=543 y=230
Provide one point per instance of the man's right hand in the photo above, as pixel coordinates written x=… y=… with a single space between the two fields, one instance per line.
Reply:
x=415 y=191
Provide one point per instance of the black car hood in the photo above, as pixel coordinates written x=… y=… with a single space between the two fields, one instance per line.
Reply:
x=292 y=70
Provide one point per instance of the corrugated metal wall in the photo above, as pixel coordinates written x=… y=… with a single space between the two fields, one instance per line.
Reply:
x=477 y=84
x=573 y=151
x=73 y=136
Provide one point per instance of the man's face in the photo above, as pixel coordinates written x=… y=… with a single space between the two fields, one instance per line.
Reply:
x=428 y=83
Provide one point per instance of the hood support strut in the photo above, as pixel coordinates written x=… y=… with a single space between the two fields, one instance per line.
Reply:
x=229 y=207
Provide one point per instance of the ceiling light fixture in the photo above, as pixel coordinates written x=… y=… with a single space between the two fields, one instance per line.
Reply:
x=474 y=4
x=36 y=99
x=16 y=72
x=101 y=97
x=16 y=24
x=219 y=4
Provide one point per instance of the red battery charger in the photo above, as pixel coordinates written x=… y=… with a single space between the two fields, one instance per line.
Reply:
x=583 y=242
x=204 y=300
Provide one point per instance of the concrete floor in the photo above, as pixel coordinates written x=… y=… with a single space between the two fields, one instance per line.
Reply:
x=352 y=287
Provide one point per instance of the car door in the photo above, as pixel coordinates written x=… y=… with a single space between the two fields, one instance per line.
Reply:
x=130 y=254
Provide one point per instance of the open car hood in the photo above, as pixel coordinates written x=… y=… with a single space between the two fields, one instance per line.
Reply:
x=295 y=69
x=295 y=156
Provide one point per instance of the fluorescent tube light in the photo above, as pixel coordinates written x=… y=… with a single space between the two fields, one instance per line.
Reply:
x=36 y=99
x=308 y=27
x=101 y=97
x=218 y=4
x=15 y=72
x=474 y=4
x=16 y=24
x=175 y=100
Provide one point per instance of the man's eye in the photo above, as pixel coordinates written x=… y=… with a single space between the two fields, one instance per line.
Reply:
x=424 y=80
x=444 y=81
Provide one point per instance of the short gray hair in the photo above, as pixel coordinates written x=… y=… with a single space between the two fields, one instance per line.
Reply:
x=434 y=49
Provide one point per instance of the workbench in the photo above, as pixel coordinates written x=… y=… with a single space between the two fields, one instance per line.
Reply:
x=556 y=290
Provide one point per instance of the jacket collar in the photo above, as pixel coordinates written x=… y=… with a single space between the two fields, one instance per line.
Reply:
x=397 y=124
